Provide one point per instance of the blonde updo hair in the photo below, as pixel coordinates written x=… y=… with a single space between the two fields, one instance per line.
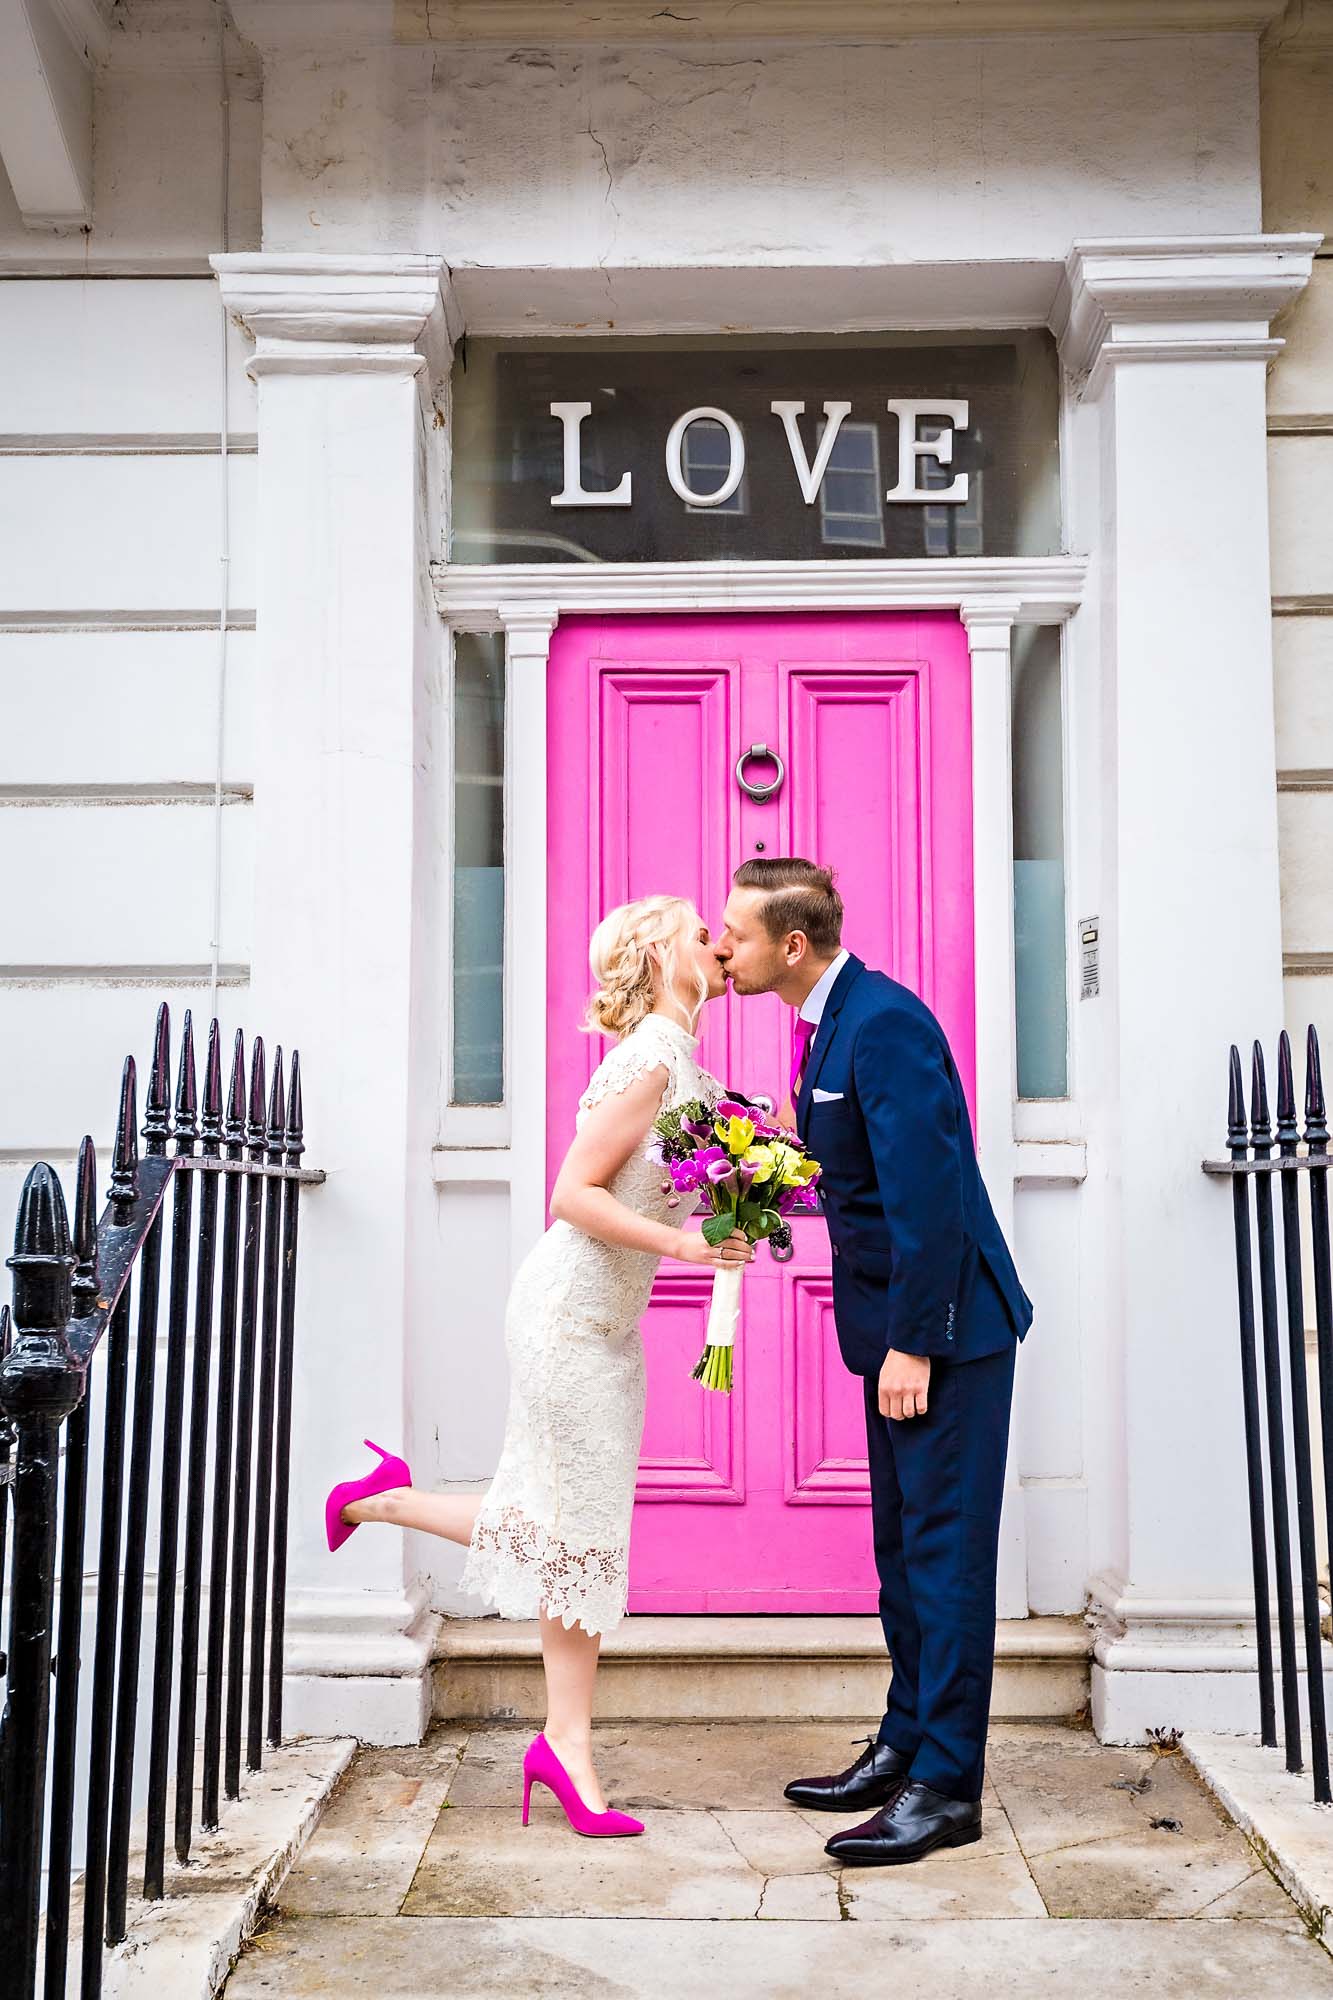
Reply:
x=622 y=963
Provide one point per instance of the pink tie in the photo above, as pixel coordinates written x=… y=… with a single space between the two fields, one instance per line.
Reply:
x=802 y=1034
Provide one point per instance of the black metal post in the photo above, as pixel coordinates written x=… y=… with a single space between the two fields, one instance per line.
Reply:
x=197 y=1461
x=1261 y=1141
x=231 y=1778
x=84 y=1294
x=157 y=1130
x=277 y=1114
x=223 y=1448
x=1288 y=1135
x=39 y=1385
x=1316 y=1143
x=1238 y=1133
x=291 y=1194
x=173 y=1419
x=123 y=1191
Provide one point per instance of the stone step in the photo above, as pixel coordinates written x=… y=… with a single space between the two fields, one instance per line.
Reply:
x=684 y=1669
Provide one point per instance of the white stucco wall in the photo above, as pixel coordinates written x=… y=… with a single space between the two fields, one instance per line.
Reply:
x=843 y=153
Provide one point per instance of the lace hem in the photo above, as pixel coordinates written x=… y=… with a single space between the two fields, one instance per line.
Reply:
x=521 y=1569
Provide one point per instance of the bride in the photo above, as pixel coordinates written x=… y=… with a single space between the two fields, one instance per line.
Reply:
x=550 y=1537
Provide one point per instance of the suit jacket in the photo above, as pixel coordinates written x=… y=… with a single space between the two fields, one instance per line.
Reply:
x=919 y=1261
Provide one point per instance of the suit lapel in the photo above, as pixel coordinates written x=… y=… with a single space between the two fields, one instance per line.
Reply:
x=827 y=1030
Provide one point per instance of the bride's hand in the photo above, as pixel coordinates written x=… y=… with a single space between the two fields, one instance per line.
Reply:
x=733 y=1251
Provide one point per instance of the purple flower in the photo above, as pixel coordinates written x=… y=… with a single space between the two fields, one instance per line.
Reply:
x=729 y=1108
x=745 y=1178
x=698 y=1128
x=708 y=1156
x=685 y=1176
x=722 y=1174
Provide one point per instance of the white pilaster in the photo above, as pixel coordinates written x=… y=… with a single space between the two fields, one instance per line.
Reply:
x=527 y=628
x=990 y=622
x=346 y=900
x=1169 y=342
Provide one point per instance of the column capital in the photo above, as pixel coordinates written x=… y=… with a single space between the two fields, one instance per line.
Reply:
x=989 y=620
x=1188 y=298
x=528 y=628
x=331 y=315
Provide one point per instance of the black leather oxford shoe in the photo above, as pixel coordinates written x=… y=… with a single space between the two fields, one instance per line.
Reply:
x=872 y=1780
x=913 y=1822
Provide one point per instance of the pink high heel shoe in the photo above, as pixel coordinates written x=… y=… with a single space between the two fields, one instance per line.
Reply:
x=389 y=1472
x=541 y=1766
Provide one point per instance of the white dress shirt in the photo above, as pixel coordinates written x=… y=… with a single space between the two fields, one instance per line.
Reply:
x=812 y=1007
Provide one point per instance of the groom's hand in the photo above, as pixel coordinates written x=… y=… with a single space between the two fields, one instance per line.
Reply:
x=904 y=1384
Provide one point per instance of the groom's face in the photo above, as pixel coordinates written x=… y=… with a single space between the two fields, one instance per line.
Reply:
x=752 y=961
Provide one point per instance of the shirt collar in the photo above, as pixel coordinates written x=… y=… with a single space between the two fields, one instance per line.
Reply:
x=812 y=1007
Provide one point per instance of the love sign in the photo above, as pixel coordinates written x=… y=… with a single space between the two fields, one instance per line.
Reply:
x=947 y=412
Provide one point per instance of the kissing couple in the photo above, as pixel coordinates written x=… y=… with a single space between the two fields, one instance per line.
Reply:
x=928 y=1309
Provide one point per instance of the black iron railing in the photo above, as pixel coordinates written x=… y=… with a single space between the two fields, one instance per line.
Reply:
x=1276 y=1404
x=228 y=1356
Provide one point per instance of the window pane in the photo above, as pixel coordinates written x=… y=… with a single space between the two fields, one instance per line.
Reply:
x=508 y=449
x=1039 y=864
x=478 y=979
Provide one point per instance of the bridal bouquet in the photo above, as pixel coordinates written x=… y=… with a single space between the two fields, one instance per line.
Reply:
x=751 y=1174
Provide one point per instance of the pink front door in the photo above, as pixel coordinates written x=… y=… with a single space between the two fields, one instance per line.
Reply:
x=758 y=1502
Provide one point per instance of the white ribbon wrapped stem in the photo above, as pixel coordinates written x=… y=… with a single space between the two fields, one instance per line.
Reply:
x=724 y=1310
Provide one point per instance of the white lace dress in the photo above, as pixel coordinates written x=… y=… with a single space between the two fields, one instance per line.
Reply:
x=553 y=1530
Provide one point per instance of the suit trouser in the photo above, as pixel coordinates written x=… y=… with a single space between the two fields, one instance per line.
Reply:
x=936 y=1484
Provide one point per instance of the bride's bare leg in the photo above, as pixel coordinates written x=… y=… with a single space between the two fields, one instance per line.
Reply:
x=569 y=1655
x=450 y=1515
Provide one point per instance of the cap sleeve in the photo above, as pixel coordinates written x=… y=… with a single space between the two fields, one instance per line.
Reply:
x=623 y=1065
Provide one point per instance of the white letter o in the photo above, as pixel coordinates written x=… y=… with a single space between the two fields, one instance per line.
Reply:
x=675 y=446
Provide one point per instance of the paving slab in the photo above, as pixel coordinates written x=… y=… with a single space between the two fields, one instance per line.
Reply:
x=646 y=1766
x=1276 y=1807
x=605 y=1959
x=367 y=1847
x=482 y=1862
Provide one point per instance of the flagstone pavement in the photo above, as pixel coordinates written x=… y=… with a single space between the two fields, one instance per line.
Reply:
x=421 y=1881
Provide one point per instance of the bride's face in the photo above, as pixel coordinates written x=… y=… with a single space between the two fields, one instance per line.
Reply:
x=697 y=953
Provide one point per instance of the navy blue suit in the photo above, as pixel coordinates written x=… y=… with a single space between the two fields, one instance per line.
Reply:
x=919 y=1265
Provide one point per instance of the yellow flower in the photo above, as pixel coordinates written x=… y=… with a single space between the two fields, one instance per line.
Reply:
x=736 y=1134
x=799 y=1171
x=764 y=1160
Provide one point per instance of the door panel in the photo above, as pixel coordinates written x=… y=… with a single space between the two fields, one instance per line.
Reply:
x=758 y=1502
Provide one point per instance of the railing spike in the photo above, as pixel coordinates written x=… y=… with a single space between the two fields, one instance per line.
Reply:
x=157 y=1123
x=43 y=1262
x=295 y=1114
x=1288 y=1131
x=1259 y=1121
x=255 y=1129
x=124 y=1186
x=277 y=1107
x=236 y=1093
x=1316 y=1111
x=6 y=1331
x=1238 y=1126
x=187 y=1104
x=211 y=1123
x=85 y=1229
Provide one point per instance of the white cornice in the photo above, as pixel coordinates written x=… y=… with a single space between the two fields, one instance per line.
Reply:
x=1182 y=298
x=1033 y=589
x=309 y=24
x=342 y=315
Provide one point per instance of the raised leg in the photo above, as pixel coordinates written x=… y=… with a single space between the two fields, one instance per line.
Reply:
x=449 y=1515
x=569 y=1656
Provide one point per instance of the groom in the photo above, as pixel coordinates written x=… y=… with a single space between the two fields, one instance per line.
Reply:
x=929 y=1312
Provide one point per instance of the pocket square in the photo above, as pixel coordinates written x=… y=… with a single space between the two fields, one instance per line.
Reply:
x=828 y=1096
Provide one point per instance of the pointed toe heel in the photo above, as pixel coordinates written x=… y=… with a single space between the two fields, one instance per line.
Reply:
x=541 y=1766
x=391 y=1471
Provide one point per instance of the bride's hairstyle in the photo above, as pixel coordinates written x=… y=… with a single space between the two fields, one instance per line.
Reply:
x=622 y=964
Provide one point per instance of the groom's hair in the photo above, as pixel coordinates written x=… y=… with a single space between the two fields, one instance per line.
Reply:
x=798 y=896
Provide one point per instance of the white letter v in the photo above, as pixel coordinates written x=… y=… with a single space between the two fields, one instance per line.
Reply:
x=810 y=477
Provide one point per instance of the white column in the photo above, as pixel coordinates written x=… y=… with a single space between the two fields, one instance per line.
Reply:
x=346 y=888
x=528 y=629
x=990 y=624
x=1170 y=341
